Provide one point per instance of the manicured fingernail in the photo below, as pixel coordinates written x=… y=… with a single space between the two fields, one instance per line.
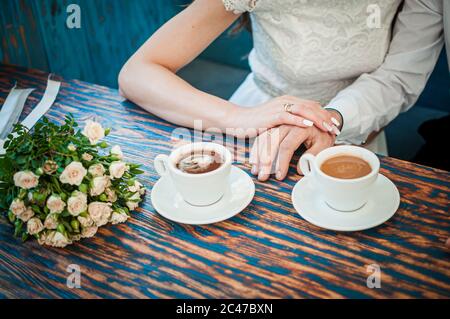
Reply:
x=308 y=122
x=254 y=170
x=278 y=175
x=335 y=122
x=327 y=126
x=336 y=130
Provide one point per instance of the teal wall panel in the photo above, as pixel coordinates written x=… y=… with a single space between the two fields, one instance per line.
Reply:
x=21 y=41
x=34 y=34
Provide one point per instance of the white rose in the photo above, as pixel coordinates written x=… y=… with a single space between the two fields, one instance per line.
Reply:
x=99 y=185
x=87 y=157
x=55 y=204
x=88 y=232
x=112 y=196
x=132 y=205
x=85 y=221
x=135 y=187
x=73 y=174
x=141 y=188
x=96 y=170
x=117 y=169
x=17 y=207
x=77 y=203
x=56 y=239
x=51 y=221
x=26 y=215
x=93 y=131
x=117 y=151
x=135 y=197
x=72 y=147
x=34 y=226
x=100 y=212
x=117 y=218
x=26 y=179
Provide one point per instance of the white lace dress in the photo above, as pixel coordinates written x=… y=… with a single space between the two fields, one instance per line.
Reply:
x=318 y=49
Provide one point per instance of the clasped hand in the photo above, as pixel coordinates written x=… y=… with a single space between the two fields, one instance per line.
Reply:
x=288 y=122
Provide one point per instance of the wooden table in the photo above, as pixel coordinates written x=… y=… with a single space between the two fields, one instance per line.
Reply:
x=266 y=251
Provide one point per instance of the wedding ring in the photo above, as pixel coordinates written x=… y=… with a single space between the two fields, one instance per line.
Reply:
x=288 y=107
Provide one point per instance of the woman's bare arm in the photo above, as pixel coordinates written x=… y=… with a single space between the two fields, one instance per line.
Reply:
x=149 y=80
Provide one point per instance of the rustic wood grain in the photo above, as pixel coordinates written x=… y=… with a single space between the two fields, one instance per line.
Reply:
x=267 y=250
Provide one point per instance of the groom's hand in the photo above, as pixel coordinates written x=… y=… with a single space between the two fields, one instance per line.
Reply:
x=273 y=150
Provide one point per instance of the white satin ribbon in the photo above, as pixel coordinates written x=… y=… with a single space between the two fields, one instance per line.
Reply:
x=39 y=110
x=44 y=105
x=11 y=110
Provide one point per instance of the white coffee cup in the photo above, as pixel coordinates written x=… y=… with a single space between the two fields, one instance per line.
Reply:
x=341 y=194
x=197 y=189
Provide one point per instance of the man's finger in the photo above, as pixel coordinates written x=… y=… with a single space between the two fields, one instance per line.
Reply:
x=287 y=148
x=253 y=159
x=268 y=153
x=315 y=149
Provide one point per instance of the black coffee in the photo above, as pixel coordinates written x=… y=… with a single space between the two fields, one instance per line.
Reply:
x=199 y=162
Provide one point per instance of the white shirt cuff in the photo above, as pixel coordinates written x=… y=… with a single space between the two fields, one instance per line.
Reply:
x=351 y=129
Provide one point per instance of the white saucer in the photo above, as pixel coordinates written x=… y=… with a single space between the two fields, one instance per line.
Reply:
x=310 y=205
x=169 y=204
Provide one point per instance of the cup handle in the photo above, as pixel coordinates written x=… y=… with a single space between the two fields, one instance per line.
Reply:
x=161 y=162
x=306 y=163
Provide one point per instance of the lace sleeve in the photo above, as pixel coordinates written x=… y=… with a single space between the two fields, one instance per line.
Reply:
x=240 y=6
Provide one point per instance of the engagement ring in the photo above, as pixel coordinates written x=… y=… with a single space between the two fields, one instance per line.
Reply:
x=288 y=107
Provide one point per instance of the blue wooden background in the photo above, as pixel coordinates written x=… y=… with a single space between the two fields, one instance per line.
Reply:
x=34 y=34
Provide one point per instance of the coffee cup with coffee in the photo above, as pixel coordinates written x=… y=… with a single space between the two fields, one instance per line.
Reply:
x=199 y=171
x=344 y=175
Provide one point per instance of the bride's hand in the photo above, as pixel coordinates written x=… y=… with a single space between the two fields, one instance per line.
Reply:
x=285 y=110
x=272 y=151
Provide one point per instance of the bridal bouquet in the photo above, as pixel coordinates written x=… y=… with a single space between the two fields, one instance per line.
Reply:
x=59 y=185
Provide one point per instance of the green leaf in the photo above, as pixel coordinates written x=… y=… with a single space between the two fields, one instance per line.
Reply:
x=137 y=171
x=11 y=217
x=21 y=160
x=25 y=236
x=61 y=228
x=83 y=188
x=75 y=224
x=65 y=213
x=67 y=226
x=36 y=209
x=18 y=227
